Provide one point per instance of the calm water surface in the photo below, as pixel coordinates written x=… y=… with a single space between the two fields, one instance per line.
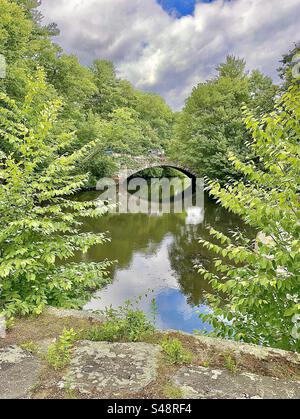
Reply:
x=158 y=252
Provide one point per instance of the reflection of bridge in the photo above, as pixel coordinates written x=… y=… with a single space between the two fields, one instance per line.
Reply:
x=130 y=165
x=174 y=192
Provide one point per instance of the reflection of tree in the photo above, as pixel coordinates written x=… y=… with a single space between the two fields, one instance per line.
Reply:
x=141 y=233
x=185 y=251
x=131 y=233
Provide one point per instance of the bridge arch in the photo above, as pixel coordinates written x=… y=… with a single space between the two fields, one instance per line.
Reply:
x=127 y=173
x=155 y=159
x=180 y=169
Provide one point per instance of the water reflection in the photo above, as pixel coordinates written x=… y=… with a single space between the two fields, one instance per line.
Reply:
x=194 y=216
x=174 y=310
x=158 y=253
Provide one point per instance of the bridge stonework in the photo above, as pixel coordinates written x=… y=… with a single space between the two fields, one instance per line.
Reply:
x=137 y=164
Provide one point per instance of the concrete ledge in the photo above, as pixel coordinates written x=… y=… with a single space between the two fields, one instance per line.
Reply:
x=78 y=314
x=217 y=345
x=239 y=348
x=207 y=383
x=19 y=372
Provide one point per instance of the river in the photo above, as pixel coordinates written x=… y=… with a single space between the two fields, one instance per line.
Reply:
x=155 y=257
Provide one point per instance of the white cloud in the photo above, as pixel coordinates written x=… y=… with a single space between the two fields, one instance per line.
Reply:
x=128 y=285
x=158 y=52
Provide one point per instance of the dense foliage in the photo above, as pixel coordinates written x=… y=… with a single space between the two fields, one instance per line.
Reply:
x=261 y=280
x=39 y=225
x=211 y=123
x=60 y=125
x=290 y=67
x=97 y=105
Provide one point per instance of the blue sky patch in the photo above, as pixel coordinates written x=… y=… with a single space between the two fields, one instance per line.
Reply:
x=181 y=7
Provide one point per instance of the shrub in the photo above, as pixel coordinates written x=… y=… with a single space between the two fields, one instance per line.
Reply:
x=59 y=353
x=260 y=280
x=39 y=224
x=99 y=166
x=231 y=364
x=175 y=352
x=124 y=324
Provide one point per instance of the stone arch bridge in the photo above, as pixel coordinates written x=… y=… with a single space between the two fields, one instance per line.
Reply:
x=131 y=165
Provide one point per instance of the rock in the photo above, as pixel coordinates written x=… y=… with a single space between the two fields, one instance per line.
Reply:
x=2 y=327
x=78 y=314
x=43 y=345
x=112 y=368
x=238 y=349
x=207 y=383
x=19 y=372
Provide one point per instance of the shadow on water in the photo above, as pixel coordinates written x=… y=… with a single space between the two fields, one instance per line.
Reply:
x=158 y=252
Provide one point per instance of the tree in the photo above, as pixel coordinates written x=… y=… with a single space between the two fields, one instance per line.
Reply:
x=234 y=68
x=260 y=280
x=211 y=124
x=39 y=224
x=95 y=101
x=15 y=30
x=25 y=43
x=111 y=93
x=124 y=132
x=263 y=93
x=289 y=61
x=154 y=110
x=72 y=81
x=30 y=7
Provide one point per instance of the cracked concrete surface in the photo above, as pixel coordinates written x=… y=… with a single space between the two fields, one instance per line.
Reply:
x=19 y=372
x=112 y=367
x=208 y=383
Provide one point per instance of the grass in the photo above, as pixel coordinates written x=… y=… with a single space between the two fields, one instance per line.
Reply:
x=172 y=392
x=44 y=327
x=126 y=324
x=70 y=392
x=9 y=324
x=31 y=347
x=205 y=364
x=175 y=352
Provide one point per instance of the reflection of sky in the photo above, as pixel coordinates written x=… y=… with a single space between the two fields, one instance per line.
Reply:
x=176 y=313
x=146 y=271
x=151 y=270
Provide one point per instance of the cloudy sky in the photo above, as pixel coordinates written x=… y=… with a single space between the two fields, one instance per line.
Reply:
x=168 y=46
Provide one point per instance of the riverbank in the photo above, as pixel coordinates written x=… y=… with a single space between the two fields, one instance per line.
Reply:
x=143 y=369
